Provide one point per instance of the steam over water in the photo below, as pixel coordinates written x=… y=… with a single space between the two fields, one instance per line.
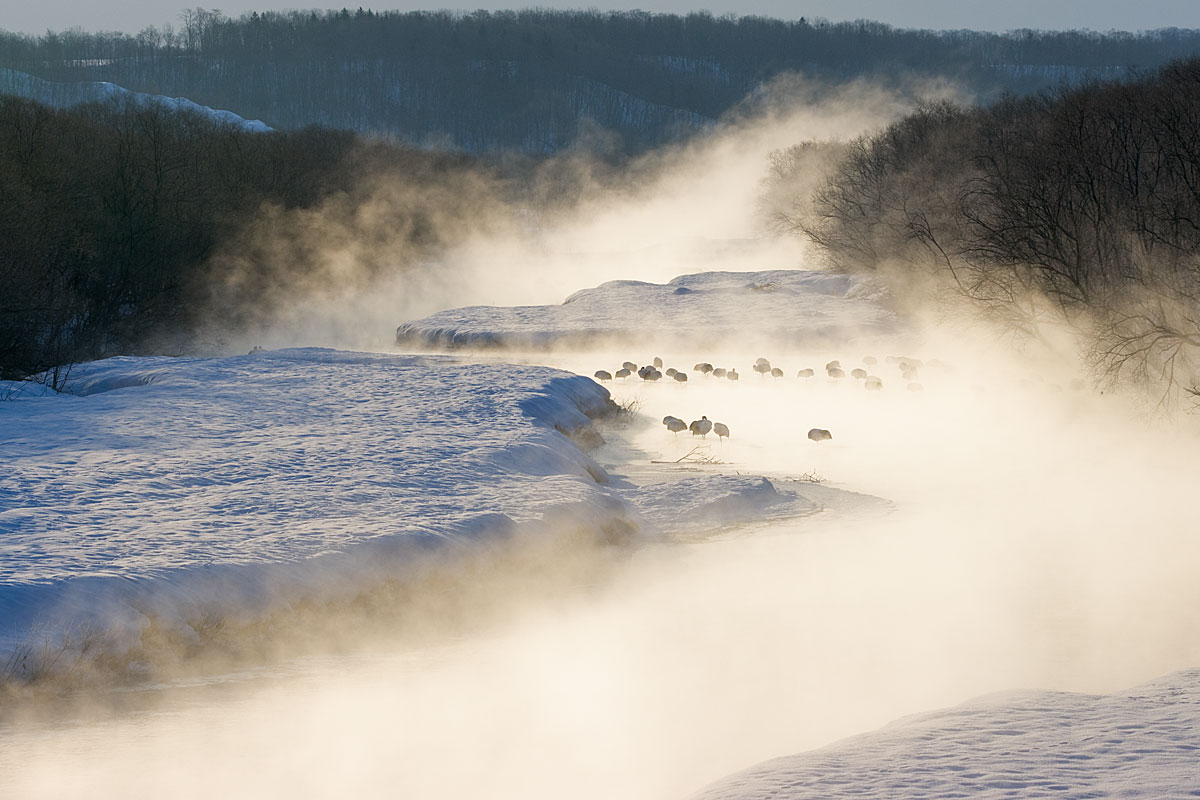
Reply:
x=1034 y=538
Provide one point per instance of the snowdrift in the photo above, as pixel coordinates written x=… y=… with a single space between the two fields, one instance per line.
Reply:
x=703 y=309
x=1136 y=743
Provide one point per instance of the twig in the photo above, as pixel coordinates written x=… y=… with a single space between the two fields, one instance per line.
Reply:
x=697 y=455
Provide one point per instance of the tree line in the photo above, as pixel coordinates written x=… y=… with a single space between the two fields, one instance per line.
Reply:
x=524 y=79
x=110 y=214
x=1078 y=205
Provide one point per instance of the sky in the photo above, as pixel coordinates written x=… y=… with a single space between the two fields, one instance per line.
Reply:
x=134 y=15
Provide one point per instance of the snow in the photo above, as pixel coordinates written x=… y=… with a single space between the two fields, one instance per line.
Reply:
x=171 y=479
x=177 y=488
x=701 y=504
x=1142 y=742
x=20 y=390
x=183 y=104
x=797 y=306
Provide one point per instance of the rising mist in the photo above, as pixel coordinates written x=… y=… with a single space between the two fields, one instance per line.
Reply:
x=1005 y=527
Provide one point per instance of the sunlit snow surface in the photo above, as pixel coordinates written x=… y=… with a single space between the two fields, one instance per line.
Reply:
x=705 y=308
x=167 y=469
x=167 y=485
x=1143 y=742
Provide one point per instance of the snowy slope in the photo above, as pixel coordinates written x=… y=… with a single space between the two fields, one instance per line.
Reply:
x=173 y=481
x=785 y=305
x=1144 y=742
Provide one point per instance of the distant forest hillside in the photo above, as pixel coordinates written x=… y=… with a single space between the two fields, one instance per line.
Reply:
x=535 y=80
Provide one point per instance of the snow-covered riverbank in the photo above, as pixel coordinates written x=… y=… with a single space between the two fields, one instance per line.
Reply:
x=181 y=493
x=189 y=489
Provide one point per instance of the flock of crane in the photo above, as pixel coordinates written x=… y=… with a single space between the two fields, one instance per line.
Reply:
x=909 y=373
